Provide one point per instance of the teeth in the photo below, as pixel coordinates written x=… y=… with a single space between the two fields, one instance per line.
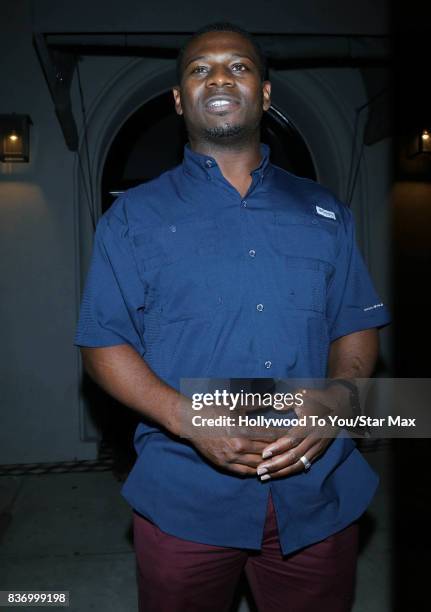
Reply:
x=220 y=103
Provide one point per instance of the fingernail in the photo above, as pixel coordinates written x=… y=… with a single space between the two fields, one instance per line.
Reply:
x=266 y=454
x=262 y=470
x=265 y=477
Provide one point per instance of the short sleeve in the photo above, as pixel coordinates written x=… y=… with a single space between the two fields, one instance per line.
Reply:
x=353 y=303
x=109 y=313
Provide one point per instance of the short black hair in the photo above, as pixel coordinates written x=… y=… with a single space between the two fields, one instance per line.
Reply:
x=224 y=26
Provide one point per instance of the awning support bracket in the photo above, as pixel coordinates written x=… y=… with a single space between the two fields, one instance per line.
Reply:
x=58 y=68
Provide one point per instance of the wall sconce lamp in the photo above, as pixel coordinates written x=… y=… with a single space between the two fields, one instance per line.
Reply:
x=421 y=143
x=15 y=138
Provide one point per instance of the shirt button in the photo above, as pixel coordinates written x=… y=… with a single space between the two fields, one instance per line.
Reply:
x=209 y=163
x=259 y=307
x=252 y=253
x=268 y=364
x=173 y=228
x=244 y=203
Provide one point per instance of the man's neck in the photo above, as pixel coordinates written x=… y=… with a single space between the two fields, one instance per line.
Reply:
x=235 y=162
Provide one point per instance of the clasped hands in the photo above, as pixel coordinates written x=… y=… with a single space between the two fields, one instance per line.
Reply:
x=271 y=456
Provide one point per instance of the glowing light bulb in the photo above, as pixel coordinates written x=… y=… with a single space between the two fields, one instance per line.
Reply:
x=13 y=137
x=425 y=135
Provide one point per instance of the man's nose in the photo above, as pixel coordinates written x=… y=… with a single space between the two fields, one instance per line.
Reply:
x=219 y=76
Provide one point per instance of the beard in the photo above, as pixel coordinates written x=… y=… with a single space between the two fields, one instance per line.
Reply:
x=229 y=134
x=226 y=131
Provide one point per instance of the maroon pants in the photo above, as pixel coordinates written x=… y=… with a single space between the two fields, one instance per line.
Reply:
x=176 y=575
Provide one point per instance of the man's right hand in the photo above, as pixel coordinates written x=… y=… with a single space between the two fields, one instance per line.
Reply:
x=123 y=373
x=240 y=456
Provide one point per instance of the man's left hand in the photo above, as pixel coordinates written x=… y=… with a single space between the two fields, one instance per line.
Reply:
x=283 y=457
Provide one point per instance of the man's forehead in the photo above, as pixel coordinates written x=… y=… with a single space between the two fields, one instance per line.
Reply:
x=209 y=43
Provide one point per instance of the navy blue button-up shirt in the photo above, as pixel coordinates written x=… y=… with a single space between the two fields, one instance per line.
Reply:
x=205 y=283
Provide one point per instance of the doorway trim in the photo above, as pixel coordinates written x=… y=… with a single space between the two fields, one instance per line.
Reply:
x=139 y=81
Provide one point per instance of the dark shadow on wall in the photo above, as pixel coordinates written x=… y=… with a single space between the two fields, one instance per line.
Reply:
x=412 y=306
x=116 y=424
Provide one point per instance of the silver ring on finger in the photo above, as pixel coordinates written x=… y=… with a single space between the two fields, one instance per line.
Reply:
x=306 y=462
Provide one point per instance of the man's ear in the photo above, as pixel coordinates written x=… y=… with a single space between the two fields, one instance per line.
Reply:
x=176 y=91
x=266 y=90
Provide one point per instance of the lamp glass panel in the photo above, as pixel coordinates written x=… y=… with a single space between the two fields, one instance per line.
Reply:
x=13 y=146
x=426 y=141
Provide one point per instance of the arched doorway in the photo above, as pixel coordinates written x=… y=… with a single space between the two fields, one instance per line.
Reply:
x=151 y=141
x=148 y=143
x=125 y=124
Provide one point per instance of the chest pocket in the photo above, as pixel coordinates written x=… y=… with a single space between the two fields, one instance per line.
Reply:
x=304 y=283
x=179 y=263
x=307 y=246
x=306 y=236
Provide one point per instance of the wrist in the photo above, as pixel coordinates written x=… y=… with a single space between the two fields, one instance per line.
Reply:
x=175 y=414
x=342 y=397
x=355 y=405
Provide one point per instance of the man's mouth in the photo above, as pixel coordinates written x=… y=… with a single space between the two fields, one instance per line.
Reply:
x=221 y=105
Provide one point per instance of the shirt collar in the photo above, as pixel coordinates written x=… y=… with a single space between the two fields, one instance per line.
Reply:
x=202 y=166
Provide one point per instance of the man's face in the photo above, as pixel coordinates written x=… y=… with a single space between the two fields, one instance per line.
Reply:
x=221 y=94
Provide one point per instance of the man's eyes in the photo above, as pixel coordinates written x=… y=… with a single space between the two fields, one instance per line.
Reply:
x=237 y=67
x=199 y=69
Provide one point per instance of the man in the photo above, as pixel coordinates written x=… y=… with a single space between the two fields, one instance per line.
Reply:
x=229 y=267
